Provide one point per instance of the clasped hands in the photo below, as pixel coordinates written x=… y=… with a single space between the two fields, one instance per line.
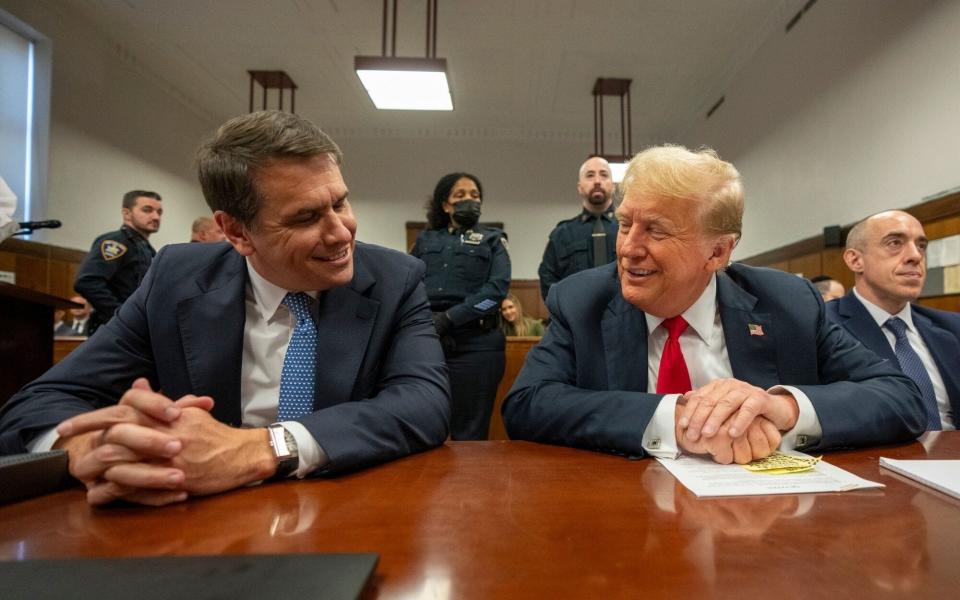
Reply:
x=149 y=449
x=733 y=421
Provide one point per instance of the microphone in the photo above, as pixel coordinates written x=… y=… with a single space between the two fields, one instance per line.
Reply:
x=31 y=225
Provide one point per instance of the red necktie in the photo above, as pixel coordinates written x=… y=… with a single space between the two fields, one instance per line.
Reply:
x=673 y=377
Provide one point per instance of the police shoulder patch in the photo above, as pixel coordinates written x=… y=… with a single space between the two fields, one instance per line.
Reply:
x=112 y=249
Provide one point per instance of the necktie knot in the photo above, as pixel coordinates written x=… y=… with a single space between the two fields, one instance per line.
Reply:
x=675 y=326
x=299 y=305
x=897 y=326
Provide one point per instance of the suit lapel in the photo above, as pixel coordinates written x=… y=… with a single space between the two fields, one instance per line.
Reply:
x=345 y=320
x=857 y=320
x=944 y=347
x=751 y=336
x=625 y=345
x=211 y=326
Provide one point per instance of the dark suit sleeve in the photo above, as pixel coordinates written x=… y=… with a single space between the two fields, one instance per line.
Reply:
x=93 y=376
x=863 y=400
x=548 y=404
x=409 y=410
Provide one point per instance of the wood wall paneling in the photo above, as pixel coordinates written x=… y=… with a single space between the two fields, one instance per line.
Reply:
x=940 y=219
x=41 y=267
x=516 y=353
x=807 y=265
x=949 y=302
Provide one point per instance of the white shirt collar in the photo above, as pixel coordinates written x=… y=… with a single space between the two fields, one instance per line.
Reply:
x=267 y=295
x=701 y=315
x=881 y=316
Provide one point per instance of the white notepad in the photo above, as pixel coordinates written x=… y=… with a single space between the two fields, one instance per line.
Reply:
x=706 y=478
x=942 y=475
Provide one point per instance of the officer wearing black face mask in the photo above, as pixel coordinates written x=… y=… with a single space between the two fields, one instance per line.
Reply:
x=468 y=275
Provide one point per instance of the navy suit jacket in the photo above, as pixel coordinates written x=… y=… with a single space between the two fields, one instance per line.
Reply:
x=939 y=329
x=585 y=384
x=381 y=382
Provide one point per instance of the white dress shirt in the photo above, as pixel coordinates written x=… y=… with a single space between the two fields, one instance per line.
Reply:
x=705 y=352
x=79 y=325
x=920 y=347
x=266 y=335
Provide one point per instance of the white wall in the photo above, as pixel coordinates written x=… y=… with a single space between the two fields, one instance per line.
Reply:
x=527 y=185
x=112 y=128
x=857 y=109
x=853 y=111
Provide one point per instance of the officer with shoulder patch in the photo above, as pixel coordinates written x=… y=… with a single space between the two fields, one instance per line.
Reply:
x=118 y=260
x=468 y=274
x=588 y=239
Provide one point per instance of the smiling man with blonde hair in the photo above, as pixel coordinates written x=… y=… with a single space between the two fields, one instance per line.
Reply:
x=672 y=349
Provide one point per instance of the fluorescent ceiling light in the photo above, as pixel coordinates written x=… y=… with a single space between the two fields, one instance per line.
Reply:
x=405 y=83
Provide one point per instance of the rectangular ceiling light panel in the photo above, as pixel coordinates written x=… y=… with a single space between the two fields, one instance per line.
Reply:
x=395 y=83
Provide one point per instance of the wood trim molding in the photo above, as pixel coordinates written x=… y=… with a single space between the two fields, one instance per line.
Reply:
x=931 y=210
x=41 y=250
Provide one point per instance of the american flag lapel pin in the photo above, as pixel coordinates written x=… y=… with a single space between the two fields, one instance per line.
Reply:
x=755 y=329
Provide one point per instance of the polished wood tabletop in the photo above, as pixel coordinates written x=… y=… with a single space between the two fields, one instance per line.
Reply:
x=521 y=520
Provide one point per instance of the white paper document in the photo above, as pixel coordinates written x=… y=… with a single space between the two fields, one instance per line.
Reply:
x=943 y=475
x=706 y=478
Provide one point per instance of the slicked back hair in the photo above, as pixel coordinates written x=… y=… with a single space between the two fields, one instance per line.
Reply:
x=227 y=164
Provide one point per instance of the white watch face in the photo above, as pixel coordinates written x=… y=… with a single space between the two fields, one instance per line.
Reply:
x=278 y=440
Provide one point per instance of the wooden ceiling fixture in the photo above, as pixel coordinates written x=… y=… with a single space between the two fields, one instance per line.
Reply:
x=618 y=88
x=273 y=80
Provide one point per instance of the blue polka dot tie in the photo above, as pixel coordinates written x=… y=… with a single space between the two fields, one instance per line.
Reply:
x=300 y=363
x=912 y=366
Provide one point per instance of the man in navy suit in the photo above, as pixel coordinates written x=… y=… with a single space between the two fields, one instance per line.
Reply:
x=291 y=350
x=887 y=254
x=671 y=350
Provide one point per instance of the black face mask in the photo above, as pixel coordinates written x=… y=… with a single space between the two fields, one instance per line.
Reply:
x=466 y=213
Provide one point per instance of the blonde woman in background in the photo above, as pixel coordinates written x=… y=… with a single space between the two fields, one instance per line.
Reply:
x=514 y=323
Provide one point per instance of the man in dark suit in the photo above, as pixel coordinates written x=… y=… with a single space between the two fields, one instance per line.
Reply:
x=290 y=350
x=887 y=254
x=79 y=325
x=670 y=350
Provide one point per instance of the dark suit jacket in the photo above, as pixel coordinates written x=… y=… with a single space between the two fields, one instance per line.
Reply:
x=382 y=389
x=585 y=384
x=939 y=329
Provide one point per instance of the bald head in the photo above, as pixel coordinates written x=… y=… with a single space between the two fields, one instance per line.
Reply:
x=595 y=184
x=887 y=254
x=205 y=229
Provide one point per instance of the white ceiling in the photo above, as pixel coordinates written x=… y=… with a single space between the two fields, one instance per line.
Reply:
x=518 y=69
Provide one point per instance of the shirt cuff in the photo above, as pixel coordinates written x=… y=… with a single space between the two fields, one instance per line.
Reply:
x=44 y=442
x=311 y=455
x=659 y=437
x=807 y=432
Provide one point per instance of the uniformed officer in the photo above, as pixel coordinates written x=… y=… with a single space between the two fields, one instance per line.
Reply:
x=589 y=239
x=118 y=260
x=468 y=274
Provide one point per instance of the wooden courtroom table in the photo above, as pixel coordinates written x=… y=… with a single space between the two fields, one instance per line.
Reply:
x=521 y=520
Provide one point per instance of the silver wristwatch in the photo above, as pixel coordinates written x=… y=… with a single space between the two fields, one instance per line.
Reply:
x=285 y=449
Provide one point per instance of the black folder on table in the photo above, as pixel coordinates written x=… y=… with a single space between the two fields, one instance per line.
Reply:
x=28 y=475
x=259 y=577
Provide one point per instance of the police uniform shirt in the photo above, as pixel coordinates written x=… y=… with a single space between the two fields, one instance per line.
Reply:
x=113 y=269
x=570 y=247
x=468 y=271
